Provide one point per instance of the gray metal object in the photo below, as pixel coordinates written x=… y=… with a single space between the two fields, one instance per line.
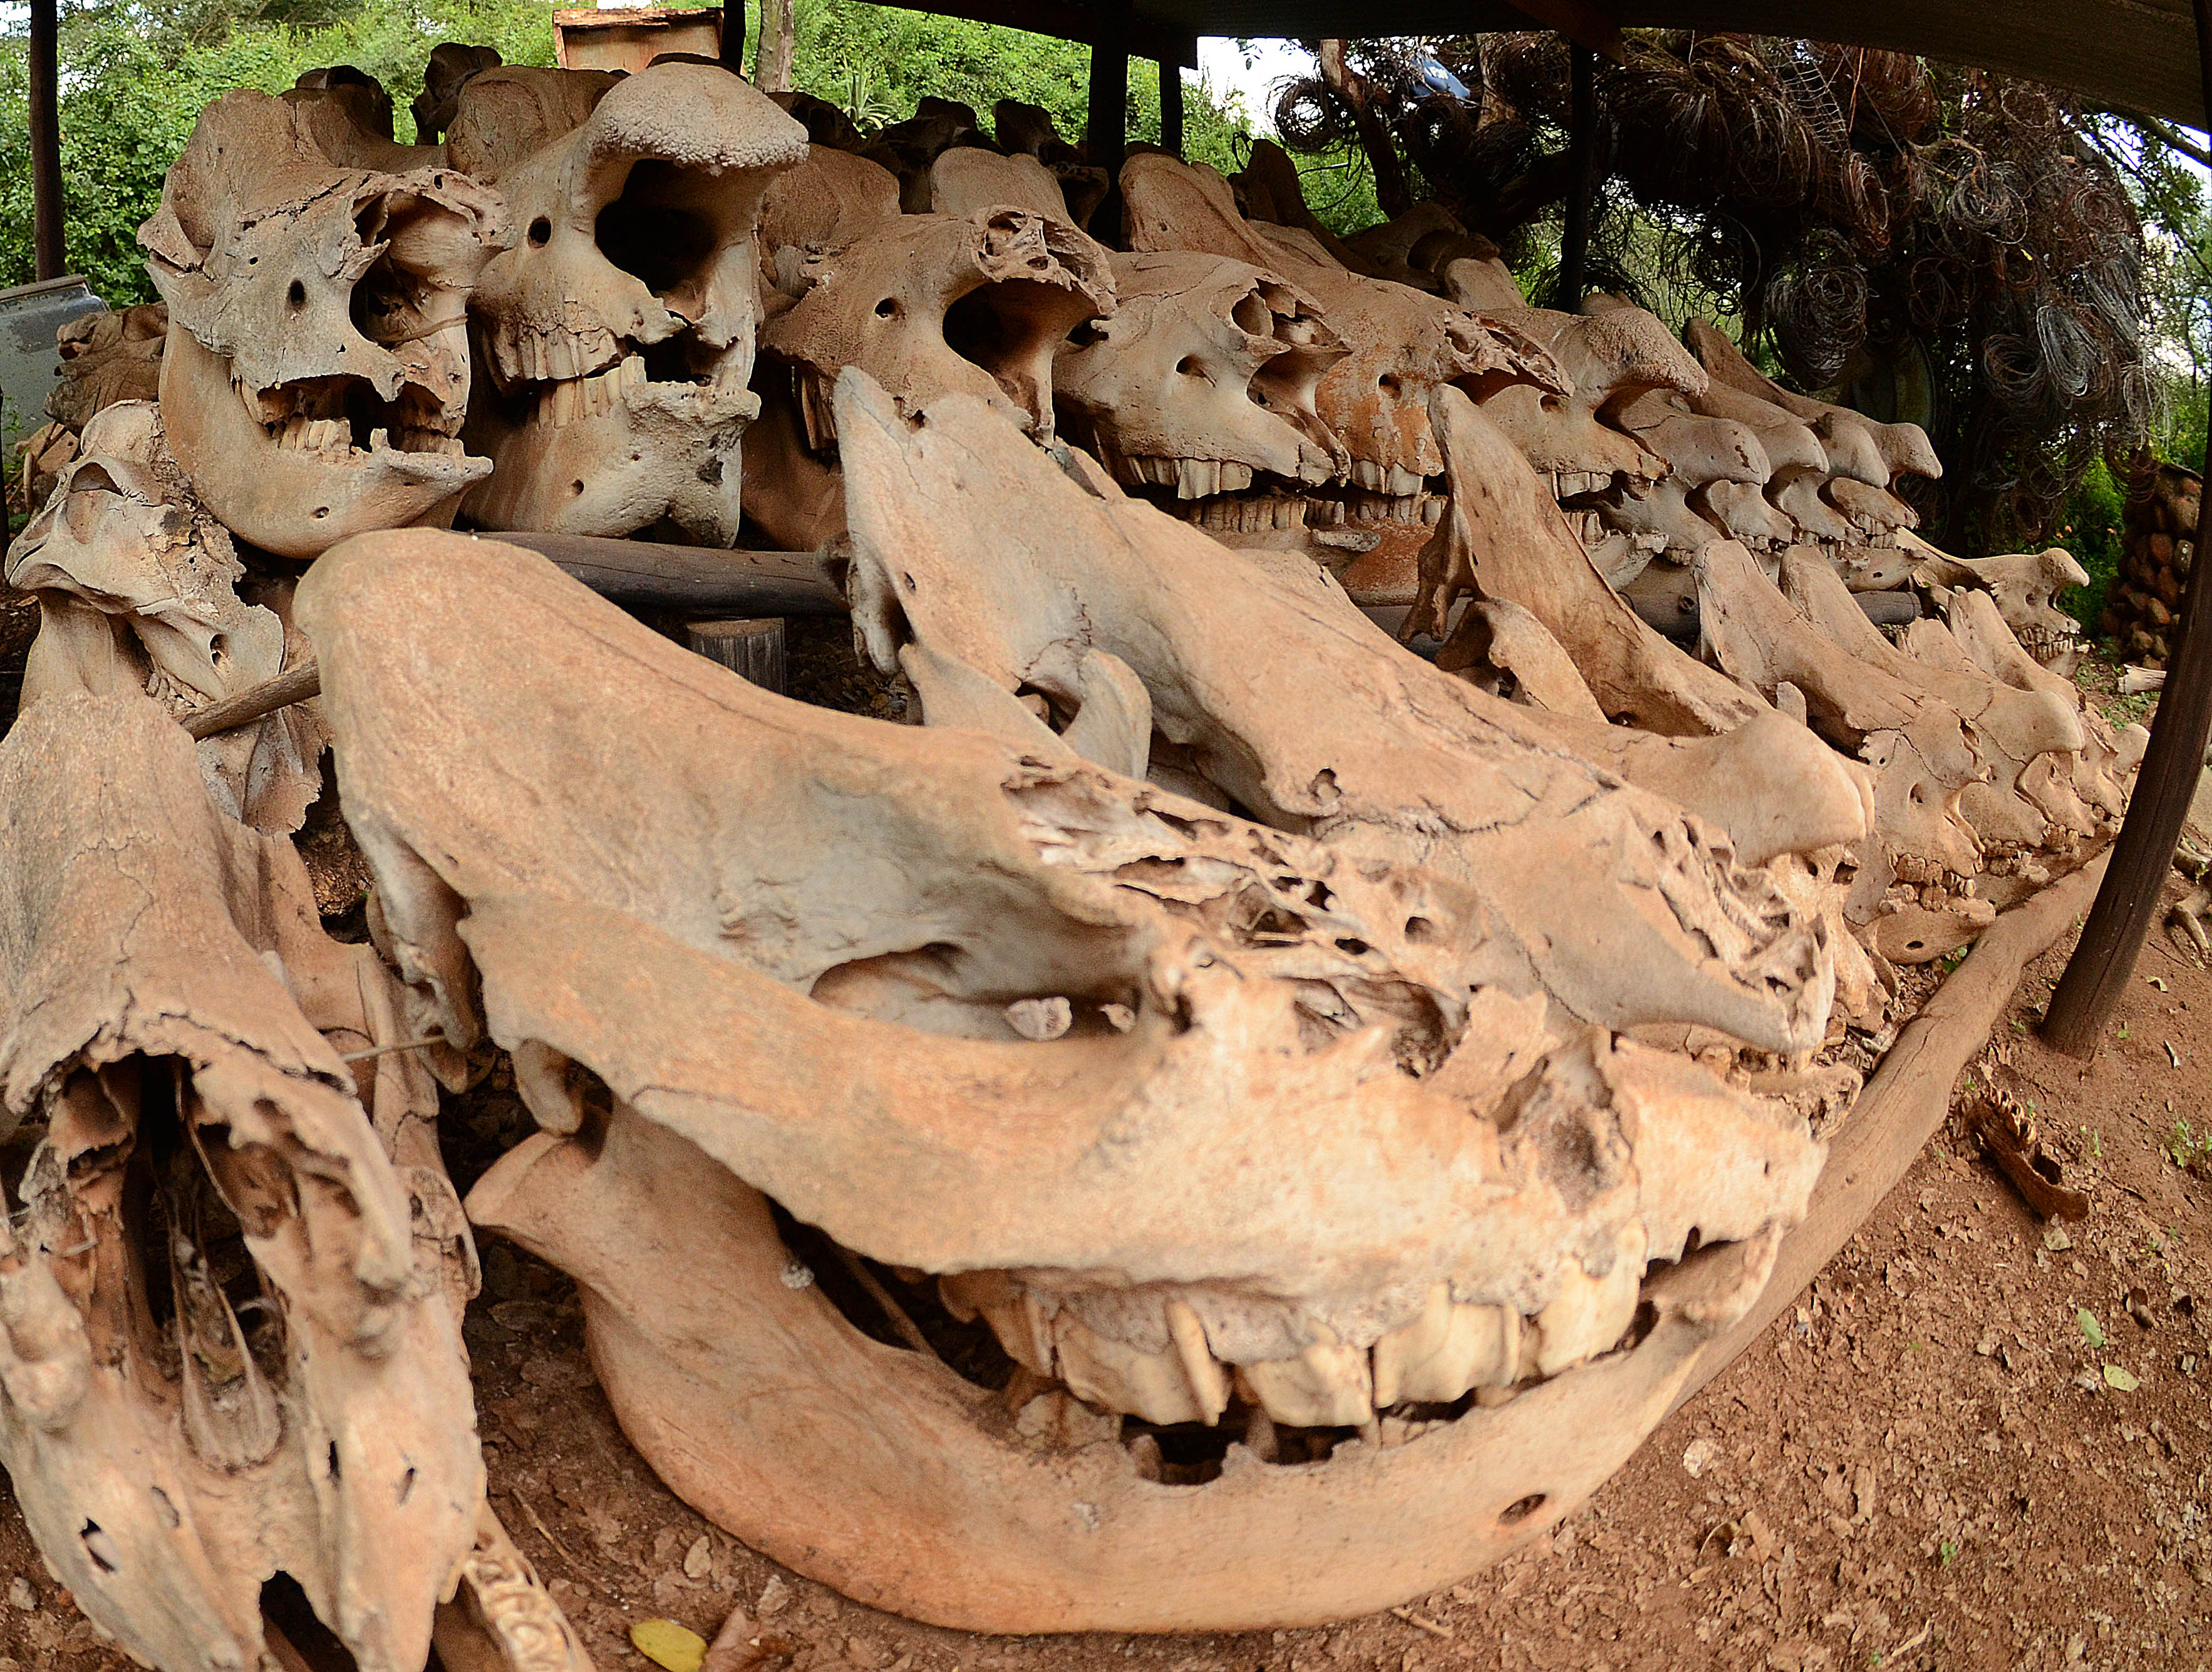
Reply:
x=30 y=314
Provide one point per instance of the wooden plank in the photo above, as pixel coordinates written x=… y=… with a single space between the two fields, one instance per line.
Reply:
x=1581 y=22
x=1171 y=108
x=1106 y=140
x=1145 y=37
x=1905 y=1104
x=703 y=580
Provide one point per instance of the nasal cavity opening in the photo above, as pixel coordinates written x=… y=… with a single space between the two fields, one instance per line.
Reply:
x=662 y=228
x=287 y=1614
x=1004 y=328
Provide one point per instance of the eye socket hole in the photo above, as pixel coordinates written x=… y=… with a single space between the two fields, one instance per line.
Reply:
x=541 y=231
x=295 y=295
x=887 y=308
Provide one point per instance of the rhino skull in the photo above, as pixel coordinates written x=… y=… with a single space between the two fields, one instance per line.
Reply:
x=137 y=586
x=230 y=1351
x=2024 y=584
x=1202 y=385
x=616 y=333
x=926 y=305
x=1021 y=1025
x=317 y=369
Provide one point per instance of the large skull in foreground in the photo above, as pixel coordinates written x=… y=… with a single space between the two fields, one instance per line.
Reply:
x=617 y=333
x=1250 y=1176
x=317 y=367
x=233 y=1399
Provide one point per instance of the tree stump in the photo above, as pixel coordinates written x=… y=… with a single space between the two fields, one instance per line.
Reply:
x=752 y=649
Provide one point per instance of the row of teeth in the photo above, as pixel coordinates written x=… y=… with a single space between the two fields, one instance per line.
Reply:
x=1191 y=478
x=1566 y=484
x=595 y=396
x=530 y=356
x=1385 y=479
x=334 y=438
x=1248 y=516
x=1409 y=510
x=1451 y=1349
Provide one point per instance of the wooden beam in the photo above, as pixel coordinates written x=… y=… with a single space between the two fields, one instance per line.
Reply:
x=699 y=579
x=1582 y=150
x=1171 y=107
x=2098 y=973
x=1107 y=138
x=48 y=242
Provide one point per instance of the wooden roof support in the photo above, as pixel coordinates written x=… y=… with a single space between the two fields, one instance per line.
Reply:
x=733 y=38
x=1581 y=173
x=50 y=247
x=1171 y=107
x=2113 y=939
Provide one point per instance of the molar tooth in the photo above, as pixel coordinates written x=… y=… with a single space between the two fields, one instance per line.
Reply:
x=1369 y=475
x=1014 y=1312
x=1448 y=1349
x=1588 y=1314
x=1327 y=1386
x=1432 y=510
x=379 y=440
x=1197 y=478
x=1234 y=478
x=1401 y=482
x=1155 y=1386
x=633 y=371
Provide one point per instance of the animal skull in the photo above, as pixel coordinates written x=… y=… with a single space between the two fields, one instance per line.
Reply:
x=316 y=371
x=915 y=1010
x=2024 y=584
x=136 y=589
x=617 y=329
x=1202 y=382
x=926 y=305
x=230 y=1308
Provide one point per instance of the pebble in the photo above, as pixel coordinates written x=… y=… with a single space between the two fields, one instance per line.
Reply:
x=20 y=1594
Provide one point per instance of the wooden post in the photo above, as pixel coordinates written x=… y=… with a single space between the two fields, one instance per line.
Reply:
x=733 y=38
x=1171 y=107
x=772 y=57
x=50 y=245
x=1108 y=138
x=2113 y=939
x=752 y=650
x=1581 y=147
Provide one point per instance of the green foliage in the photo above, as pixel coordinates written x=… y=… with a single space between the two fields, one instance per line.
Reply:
x=2089 y=528
x=134 y=83
x=136 y=78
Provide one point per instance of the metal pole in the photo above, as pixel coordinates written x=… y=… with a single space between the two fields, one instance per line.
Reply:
x=1581 y=147
x=2113 y=939
x=50 y=244
x=1171 y=107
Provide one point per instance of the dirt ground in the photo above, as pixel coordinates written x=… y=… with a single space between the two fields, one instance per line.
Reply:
x=1978 y=1441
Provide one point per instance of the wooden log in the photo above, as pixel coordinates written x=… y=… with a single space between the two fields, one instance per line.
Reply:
x=293 y=685
x=752 y=650
x=702 y=581
x=1905 y=1104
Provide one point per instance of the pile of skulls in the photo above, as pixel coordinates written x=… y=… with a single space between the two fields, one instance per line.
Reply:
x=1322 y=1089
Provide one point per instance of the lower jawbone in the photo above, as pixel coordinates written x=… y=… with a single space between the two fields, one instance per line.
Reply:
x=883 y=1473
x=611 y=453
x=295 y=469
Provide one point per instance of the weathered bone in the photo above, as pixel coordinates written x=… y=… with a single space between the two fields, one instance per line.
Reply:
x=618 y=329
x=1856 y=446
x=925 y=304
x=156 y=959
x=921 y=885
x=316 y=370
x=137 y=590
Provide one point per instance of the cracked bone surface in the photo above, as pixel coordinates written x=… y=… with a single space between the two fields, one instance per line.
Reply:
x=316 y=370
x=988 y=1011
x=230 y=1305
x=1202 y=383
x=616 y=332
x=137 y=586
x=1263 y=684
x=926 y=305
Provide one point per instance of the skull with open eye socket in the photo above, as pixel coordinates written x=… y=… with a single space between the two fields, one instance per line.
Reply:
x=317 y=367
x=616 y=334
x=1202 y=384
x=927 y=305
